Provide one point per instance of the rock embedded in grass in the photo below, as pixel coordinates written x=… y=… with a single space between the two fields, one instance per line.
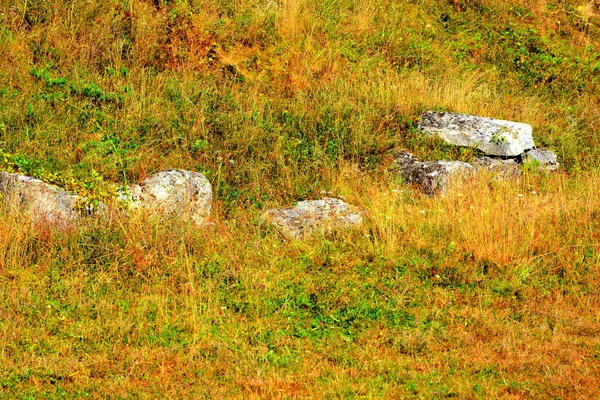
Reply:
x=44 y=202
x=546 y=159
x=312 y=215
x=434 y=177
x=492 y=136
x=499 y=168
x=179 y=193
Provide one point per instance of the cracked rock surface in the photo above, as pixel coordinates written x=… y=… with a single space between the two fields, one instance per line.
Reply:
x=173 y=192
x=44 y=202
x=433 y=176
x=494 y=137
x=499 y=168
x=547 y=159
x=311 y=215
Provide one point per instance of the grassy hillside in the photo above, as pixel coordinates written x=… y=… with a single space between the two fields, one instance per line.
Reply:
x=491 y=291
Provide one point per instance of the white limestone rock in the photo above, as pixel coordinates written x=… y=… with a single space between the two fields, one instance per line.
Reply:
x=492 y=136
x=546 y=159
x=433 y=176
x=173 y=192
x=310 y=215
x=44 y=202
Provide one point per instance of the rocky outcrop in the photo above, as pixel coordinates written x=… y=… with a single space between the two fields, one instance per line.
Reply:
x=433 y=176
x=492 y=136
x=44 y=202
x=183 y=193
x=310 y=215
x=545 y=159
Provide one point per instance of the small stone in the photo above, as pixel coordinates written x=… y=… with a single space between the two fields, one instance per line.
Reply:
x=433 y=176
x=311 y=215
x=492 y=136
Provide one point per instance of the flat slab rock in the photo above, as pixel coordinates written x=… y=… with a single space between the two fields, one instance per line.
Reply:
x=183 y=193
x=44 y=202
x=494 y=137
x=310 y=215
x=433 y=176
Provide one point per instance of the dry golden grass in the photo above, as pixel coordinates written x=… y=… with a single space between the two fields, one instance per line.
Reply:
x=501 y=287
x=490 y=291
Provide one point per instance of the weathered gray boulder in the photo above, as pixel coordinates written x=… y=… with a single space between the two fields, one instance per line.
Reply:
x=433 y=176
x=499 y=168
x=311 y=215
x=173 y=192
x=492 y=136
x=546 y=159
x=44 y=202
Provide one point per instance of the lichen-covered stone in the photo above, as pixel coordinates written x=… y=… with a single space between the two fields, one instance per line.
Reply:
x=173 y=192
x=547 y=159
x=433 y=176
x=499 y=168
x=44 y=202
x=310 y=215
x=492 y=136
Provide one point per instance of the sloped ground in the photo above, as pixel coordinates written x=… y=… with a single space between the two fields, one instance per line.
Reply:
x=490 y=291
